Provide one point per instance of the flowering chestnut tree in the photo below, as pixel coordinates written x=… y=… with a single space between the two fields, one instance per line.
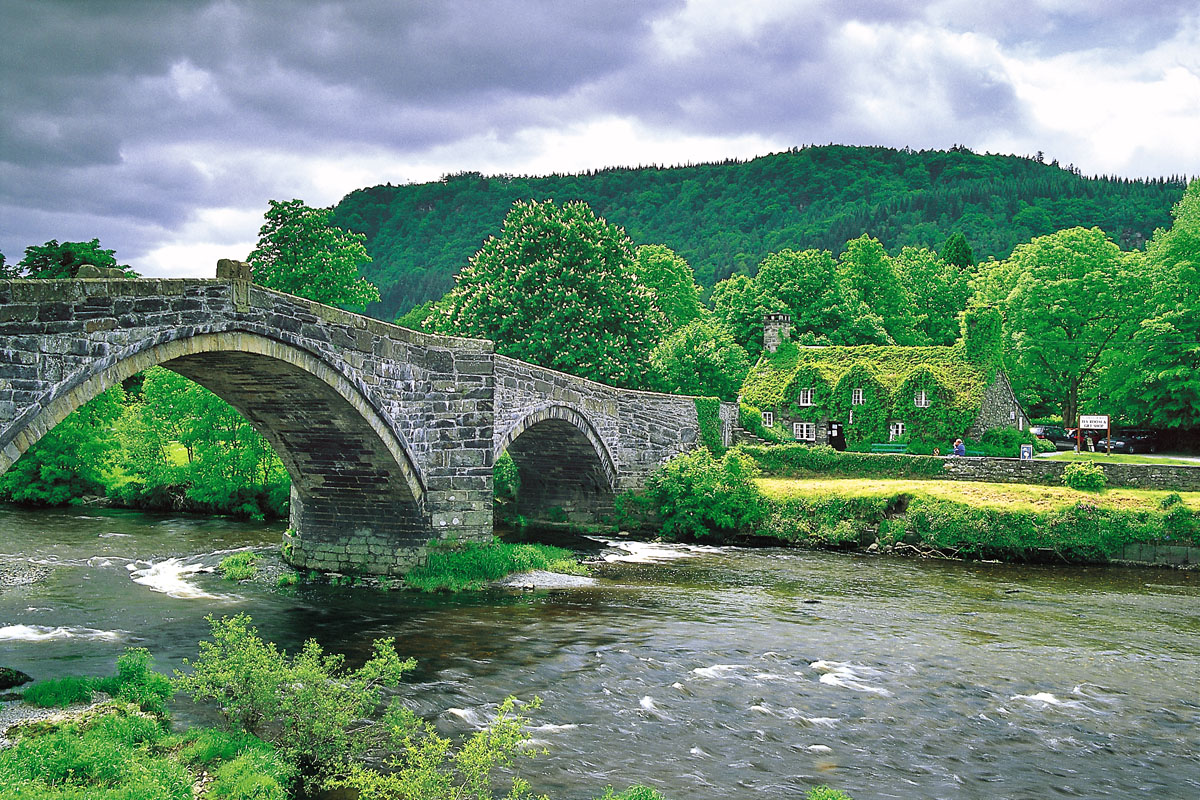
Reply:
x=557 y=288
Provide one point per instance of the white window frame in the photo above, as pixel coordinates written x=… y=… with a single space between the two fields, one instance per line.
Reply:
x=851 y=421
x=768 y=418
x=921 y=399
x=805 y=397
x=804 y=431
x=895 y=431
x=856 y=396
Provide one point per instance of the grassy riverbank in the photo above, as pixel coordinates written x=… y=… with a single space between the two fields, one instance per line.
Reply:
x=1122 y=458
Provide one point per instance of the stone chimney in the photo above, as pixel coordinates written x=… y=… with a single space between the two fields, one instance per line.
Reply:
x=776 y=328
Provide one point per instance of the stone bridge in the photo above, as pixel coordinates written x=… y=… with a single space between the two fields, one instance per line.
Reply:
x=389 y=434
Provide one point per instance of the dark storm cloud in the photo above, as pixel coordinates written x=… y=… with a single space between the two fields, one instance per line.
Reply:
x=133 y=114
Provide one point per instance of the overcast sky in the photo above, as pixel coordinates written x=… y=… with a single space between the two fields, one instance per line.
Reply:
x=163 y=127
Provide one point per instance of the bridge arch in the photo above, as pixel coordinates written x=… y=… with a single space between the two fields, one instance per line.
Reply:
x=352 y=475
x=563 y=463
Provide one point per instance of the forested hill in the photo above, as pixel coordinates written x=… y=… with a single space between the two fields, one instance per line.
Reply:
x=725 y=217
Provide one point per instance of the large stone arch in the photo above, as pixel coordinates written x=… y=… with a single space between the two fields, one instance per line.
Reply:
x=352 y=475
x=563 y=463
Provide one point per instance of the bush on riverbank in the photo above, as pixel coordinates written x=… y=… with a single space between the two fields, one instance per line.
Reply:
x=135 y=682
x=699 y=496
x=453 y=567
x=797 y=460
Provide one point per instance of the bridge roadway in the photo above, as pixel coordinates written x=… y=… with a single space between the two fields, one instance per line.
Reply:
x=389 y=434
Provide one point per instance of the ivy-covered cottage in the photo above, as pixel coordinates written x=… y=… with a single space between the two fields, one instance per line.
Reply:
x=852 y=397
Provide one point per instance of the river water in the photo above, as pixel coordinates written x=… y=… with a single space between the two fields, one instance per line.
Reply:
x=705 y=672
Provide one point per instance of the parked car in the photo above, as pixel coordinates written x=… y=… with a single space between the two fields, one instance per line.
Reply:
x=1136 y=441
x=1063 y=438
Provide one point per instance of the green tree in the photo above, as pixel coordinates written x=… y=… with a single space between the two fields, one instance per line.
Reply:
x=702 y=359
x=671 y=283
x=739 y=305
x=809 y=286
x=557 y=288
x=957 y=251
x=1157 y=381
x=73 y=459
x=56 y=261
x=300 y=252
x=870 y=276
x=936 y=291
x=1076 y=297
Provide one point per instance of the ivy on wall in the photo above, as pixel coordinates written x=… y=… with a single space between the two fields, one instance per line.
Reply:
x=870 y=416
x=708 y=418
x=942 y=420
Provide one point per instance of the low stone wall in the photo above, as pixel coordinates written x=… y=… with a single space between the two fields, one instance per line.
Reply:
x=1013 y=470
x=1160 y=555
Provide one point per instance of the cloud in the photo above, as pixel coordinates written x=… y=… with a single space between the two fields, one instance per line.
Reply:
x=164 y=128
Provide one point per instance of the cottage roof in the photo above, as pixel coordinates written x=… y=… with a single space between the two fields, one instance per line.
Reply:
x=768 y=381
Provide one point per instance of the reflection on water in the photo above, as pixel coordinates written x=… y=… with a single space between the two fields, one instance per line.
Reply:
x=706 y=672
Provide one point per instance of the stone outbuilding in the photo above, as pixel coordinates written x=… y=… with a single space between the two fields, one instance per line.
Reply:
x=862 y=395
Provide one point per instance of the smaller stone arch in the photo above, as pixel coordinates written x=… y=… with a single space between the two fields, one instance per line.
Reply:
x=564 y=464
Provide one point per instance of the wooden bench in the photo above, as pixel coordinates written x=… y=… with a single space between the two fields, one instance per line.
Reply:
x=889 y=448
x=975 y=453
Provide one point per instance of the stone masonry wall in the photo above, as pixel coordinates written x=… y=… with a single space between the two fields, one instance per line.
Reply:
x=628 y=432
x=997 y=408
x=1012 y=470
x=423 y=402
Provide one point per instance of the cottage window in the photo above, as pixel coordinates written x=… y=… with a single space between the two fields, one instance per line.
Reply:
x=856 y=397
x=895 y=431
x=806 y=397
x=768 y=419
x=920 y=399
x=804 y=431
x=851 y=422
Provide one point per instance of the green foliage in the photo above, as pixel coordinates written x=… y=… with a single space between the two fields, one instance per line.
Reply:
x=933 y=290
x=423 y=764
x=797 y=460
x=699 y=496
x=871 y=279
x=982 y=335
x=825 y=793
x=1158 y=379
x=632 y=793
x=1084 y=477
x=306 y=704
x=239 y=566
x=750 y=418
x=724 y=218
x=1006 y=443
x=739 y=305
x=62 y=261
x=301 y=252
x=59 y=692
x=73 y=459
x=469 y=566
x=811 y=290
x=112 y=755
x=136 y=682
x=956 y=250
x=290 y=578
x=699 y=359
x=1052 y=289
x=708 y=419
x=182 y=447
x=671 y=282
x=865 y=422
x=557 y=288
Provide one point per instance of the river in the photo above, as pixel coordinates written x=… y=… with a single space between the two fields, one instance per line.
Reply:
x=705 y=672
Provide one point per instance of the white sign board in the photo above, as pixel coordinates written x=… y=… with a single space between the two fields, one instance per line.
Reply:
x=1093 y=421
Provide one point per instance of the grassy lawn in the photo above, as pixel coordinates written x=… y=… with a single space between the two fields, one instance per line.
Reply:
x=991 y=495
x=1120 y=458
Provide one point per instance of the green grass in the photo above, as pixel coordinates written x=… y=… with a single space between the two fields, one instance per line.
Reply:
x=1121 y=458
x=59 y=692
x=470 y=566
x=239 y=566
x=989 y=495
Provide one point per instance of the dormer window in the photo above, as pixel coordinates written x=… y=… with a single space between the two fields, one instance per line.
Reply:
x=921 y=399
x=856 y=397
x=806 y=397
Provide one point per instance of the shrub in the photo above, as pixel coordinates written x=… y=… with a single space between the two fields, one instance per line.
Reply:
x=239 y=566
x=798 y=459
x=288 y=579
x=305 y=705
x=632 y=793
x=59 y=692
x=700 y=496
x=1172 y=499
x=825 y=793
x=136 y=682
x=1084 y=477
